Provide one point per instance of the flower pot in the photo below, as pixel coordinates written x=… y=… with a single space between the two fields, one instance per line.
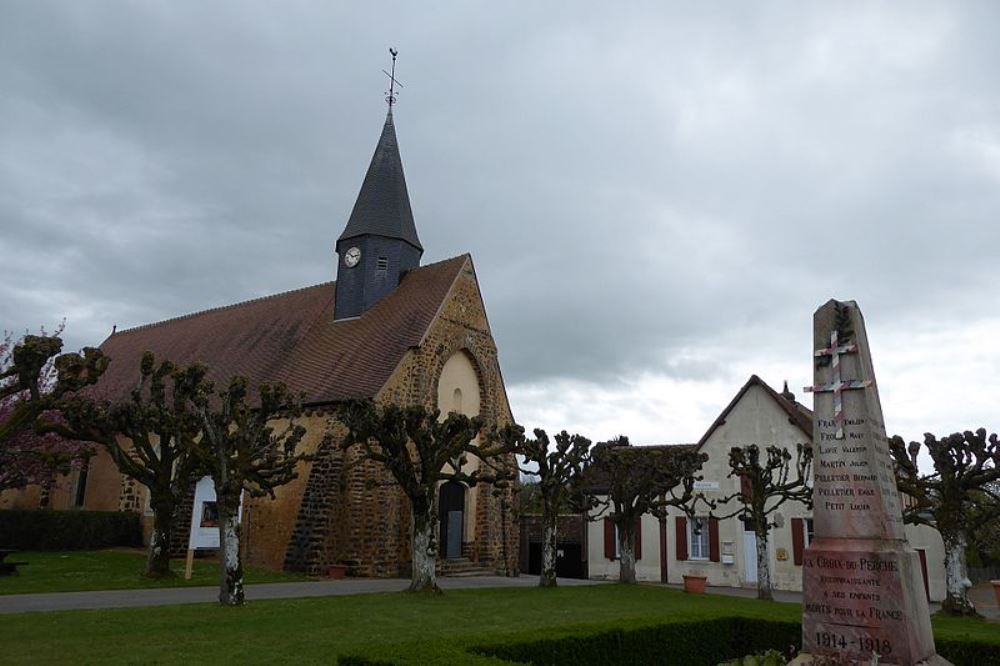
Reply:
x=996 y=589
x=695 y=584
x=338 y=571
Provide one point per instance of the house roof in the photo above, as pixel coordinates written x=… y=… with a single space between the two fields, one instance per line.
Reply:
x=798 y=414
x=383 y=204
x=292 y=337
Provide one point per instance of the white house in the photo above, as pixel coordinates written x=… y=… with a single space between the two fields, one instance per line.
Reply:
x=725 y=550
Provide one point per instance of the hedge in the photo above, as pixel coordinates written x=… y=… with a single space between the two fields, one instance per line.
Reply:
x=706 y=642
x=45 y=529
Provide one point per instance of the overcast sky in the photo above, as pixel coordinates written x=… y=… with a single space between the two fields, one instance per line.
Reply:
x=657 y=196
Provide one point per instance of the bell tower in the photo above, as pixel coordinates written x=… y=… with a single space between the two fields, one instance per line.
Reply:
x=379 y=243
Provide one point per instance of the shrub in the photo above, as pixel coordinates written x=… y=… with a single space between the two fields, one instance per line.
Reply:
x=705 y=642
x=695 y=643
x=45 y=529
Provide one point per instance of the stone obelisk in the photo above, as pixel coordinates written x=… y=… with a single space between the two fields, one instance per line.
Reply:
x=863 y=591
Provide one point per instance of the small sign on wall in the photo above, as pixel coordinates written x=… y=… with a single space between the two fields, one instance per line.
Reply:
x=706 y=485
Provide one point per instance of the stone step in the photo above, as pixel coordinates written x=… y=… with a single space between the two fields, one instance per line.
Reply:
x=462 y=566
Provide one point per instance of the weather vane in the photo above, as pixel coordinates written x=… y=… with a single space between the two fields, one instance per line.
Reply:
x=390 y=97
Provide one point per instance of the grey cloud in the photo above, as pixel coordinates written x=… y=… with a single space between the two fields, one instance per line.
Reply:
x=631 y=181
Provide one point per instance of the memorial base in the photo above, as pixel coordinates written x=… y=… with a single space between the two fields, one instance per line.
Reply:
x=865 y=597
x=804 y=659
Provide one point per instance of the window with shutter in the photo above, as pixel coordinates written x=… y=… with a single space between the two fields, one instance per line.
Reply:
x=798 y=541
x=713 y=539
x=699 y=539
x=638 y=539
x=610 y=542
x=682 y=538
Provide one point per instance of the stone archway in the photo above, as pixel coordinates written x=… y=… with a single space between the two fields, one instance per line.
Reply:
x=451 y=513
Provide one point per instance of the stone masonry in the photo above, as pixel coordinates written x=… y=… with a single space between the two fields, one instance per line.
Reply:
x=344 y=510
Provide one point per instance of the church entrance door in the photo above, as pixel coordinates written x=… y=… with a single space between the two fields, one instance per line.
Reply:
x=451 y=510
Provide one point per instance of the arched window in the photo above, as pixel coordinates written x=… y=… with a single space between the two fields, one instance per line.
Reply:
x=456 y=401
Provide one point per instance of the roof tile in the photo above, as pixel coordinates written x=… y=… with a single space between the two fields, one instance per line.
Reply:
x=292 y=337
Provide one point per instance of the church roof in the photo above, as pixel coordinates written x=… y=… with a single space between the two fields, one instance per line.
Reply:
x=798 y=414
x=383 y=204
x=292 y=337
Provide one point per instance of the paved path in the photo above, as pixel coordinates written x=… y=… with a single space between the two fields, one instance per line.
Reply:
x=982 y=595
x=170 y=596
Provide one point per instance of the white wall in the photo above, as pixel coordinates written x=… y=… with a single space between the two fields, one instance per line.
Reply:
x=600 y=567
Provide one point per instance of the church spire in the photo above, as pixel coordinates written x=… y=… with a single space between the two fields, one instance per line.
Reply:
x=383 y=204
x=379 y=244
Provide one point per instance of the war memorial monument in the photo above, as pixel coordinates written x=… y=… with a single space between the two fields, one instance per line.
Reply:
x=864 y=601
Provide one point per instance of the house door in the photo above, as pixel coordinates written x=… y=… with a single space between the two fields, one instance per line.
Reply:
x=749 y=554
x=451 y=510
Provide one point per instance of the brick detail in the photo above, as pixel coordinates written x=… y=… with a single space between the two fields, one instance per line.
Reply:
x=313 y=545
x=351 y=513
x=130 y=498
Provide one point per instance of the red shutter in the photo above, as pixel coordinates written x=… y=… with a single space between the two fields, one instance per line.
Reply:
x=663 y=550
x=923 y=571
x=638 y=540
x=746 y=488
x=609 y=539
x=798 y=541
x=713 y=539
x=682 y=538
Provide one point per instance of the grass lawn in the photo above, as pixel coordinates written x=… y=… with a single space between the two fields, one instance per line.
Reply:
x=77 y=571
x=413 y=629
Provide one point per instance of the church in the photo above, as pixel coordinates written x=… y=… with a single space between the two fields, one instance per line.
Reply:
x=389 y=329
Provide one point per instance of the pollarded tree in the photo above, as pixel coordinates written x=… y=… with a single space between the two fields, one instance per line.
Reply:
x=149 y=436
x=419 y=451
x=559 y=470
x=959 y=498
x=244 y=447
x=30 y=382
x=766 y=484
x=629 y=481
x=986 y=540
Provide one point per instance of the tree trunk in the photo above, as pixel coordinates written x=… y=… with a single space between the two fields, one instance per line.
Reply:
x=956 y=575
x=425 y=551
x=763 y=567
x=158 y=557
x=45 y=494
x=626 y=555
x=548 y=575
x=231 y=566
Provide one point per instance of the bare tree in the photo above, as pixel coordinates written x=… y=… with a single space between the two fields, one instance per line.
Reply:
x=629 y=481
x=559 y=470
x=765 y=485
x=246 y=448
x=959 y=498
x=149 y=437
x=419 y=451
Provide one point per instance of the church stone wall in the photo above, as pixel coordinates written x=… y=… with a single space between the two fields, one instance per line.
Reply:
x=269 y=523
x=344 y=510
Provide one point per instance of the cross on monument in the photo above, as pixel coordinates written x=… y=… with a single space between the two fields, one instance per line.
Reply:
x=838 y=385
x=390 y=97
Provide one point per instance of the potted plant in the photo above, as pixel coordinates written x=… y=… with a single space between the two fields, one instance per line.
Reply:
x=338 y=571
x=694 y=583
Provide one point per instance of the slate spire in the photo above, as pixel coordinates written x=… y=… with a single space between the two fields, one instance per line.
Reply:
x=383 y=204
